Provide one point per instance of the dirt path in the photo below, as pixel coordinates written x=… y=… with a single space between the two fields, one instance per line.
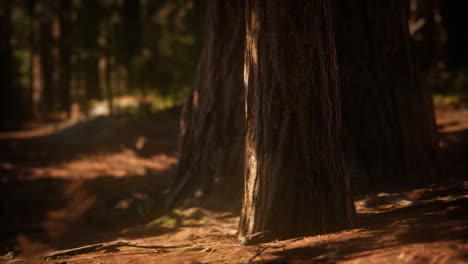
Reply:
x=76 y=187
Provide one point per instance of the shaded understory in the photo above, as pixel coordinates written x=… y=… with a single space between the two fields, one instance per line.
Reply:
x=104 y=179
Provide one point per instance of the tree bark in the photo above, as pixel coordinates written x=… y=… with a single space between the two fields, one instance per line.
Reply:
x=296 y=177
x=388 y=114
x=212 y=124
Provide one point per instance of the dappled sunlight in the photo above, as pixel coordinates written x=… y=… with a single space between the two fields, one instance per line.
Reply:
x=41 y=131
x=381 y=202
x=144 y=131
x=252 y=177
x=452 y=120
x=195 y=100
x=62 y=183
x=121 y=164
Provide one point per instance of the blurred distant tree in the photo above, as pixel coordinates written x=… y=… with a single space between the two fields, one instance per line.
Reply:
x=66 y=44
x=7 y=86
x=47 y=30
x=106 y=58
x=48 y=75
x=170 y=44
x=128 y=40
x=388 y=114
x=13 y=95
x=427 y=34
x=68 y=51
x=296 y=177
x=35 y=60
x=212 y=124
x=131 y=30
x=89 y=22
x=455 y=22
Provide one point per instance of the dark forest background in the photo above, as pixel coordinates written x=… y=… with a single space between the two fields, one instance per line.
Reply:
x=70 y=59
x=66 y=59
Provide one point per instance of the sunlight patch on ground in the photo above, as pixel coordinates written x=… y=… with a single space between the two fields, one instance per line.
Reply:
x=452 y=121
x=40 y=131
x=121 y=164
x=377 y=203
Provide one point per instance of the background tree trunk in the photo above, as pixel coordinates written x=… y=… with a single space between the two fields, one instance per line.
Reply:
x=35 y=63
x=296 y=176
x=7 y=91
x=46 y=55
x=212 y=123
x=65 y=54
x=90 y=17
x=427 y=35
x=388 y=115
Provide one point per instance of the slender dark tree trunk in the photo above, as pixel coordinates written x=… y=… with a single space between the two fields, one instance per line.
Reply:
x=296 y=177
x=90 y=18
x=91 y=73
x=65 y=54
x=46 y=56
x=130 y=28
x=35 y=67
x=109 y=92
x=455 y=23
x=6 y=73
x=212 y=123
x=388 y=114
x=427 y=35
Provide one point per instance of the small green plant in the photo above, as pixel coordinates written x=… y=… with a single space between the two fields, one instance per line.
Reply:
x=440 y=99
x=164 y=221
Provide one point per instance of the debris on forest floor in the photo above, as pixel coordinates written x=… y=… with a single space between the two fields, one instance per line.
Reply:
x=432 y=229
x=107 y=247
x=123 y=164
x=385 y=201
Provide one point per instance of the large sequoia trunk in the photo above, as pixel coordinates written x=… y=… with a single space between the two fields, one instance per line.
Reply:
x=212 y=124
x=296 y=177
x=389 y=120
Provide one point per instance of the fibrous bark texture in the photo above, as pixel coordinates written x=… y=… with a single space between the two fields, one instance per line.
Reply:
x=212 y=124
x=296 y=177
x=388 y=115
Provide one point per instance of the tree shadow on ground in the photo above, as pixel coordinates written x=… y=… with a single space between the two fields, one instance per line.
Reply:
x=45 y=196
x=87 y=182
x=424 y=222
x=68 y=213
x=453 y=153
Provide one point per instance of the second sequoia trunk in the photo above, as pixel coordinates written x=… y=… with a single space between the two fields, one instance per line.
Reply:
x=388 y=115
x=296 y=176
x=212 y=124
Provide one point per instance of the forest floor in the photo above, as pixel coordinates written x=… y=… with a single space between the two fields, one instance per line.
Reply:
x=91 y=192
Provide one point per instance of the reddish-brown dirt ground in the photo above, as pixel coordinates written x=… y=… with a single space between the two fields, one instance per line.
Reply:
x=74 y=185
